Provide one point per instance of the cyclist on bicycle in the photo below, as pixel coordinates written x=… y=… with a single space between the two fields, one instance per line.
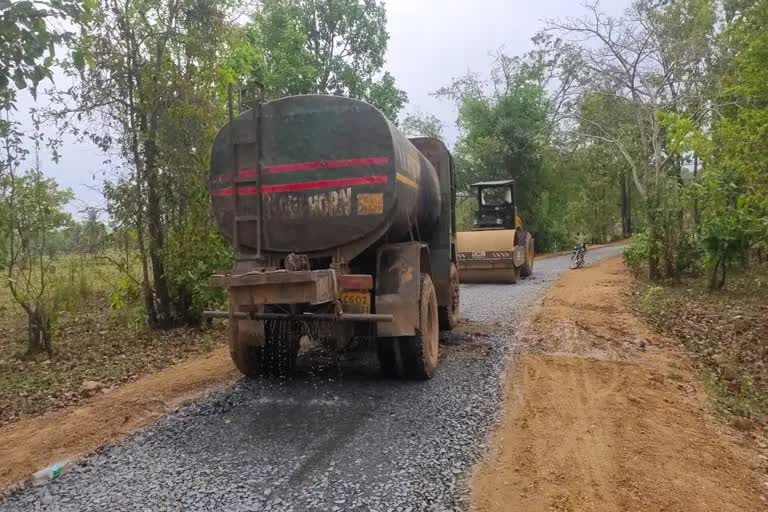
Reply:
x=581 y=241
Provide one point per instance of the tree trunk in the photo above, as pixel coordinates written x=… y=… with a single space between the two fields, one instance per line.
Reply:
x=628 y=192
x=653 y=240
x=135 y=123
x=39 y=333
x=721 y=283
x=626 y=215
x=669 y=262
x=156 y=233
x=696 y=213
x=151 y=173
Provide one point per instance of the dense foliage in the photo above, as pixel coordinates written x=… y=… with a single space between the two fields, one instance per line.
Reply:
x=331 y=47
x=654 y=120
x=513 y=125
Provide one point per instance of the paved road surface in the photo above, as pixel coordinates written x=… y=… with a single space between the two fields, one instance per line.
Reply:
x=337 y=438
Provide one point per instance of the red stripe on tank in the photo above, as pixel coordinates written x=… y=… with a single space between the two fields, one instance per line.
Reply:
x=307 y=185
x=247 y=173
x=227 y=191
x=321 y=164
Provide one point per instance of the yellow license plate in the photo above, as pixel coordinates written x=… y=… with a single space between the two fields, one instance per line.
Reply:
x=356 y=302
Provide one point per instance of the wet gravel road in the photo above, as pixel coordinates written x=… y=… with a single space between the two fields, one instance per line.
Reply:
x=336 y=438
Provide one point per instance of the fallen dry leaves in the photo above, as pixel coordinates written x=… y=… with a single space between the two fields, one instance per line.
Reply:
x=726 y=333
x=95 y=346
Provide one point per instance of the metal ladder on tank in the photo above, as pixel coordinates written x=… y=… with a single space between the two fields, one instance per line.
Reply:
x=237 y=180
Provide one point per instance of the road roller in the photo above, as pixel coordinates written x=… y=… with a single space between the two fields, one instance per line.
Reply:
x=497 y=249
x=343 y=236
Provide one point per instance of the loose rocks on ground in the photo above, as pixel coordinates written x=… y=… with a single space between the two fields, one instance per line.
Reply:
x=335 y=438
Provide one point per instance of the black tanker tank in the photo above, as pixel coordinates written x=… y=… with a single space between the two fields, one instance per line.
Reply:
x=334 y=173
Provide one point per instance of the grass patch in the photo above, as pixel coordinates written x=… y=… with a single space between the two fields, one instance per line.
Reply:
x=94 y=341
x=736 y=398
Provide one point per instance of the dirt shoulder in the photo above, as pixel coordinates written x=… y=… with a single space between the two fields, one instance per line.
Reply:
x=34 y=443
x=603 y=415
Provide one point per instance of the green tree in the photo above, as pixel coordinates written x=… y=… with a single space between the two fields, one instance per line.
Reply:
x=418 y=123
x=592 y=202
x=332 y=47
x=734 y=149
x=32 y=211
x=606 y=126
x=152 y=84
x=28 y=40
x=651 y=59
x=504 y=133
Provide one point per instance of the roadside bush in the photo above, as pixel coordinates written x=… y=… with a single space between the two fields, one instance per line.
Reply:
x=636 y=254
x=192 y=258
x=126 y=292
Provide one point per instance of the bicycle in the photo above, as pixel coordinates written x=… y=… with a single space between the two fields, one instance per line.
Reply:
x=577 y=258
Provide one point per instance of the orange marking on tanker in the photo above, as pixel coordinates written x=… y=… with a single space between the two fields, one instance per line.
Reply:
x=370 y=204
x=405 y=180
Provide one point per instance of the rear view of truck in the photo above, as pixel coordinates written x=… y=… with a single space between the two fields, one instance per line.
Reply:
x=341 y=229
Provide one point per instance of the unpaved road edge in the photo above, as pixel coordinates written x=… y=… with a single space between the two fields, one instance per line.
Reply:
x=70 y=434
x=601 y=414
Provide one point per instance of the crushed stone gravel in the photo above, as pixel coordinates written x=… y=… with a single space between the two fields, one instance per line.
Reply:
x=338 y=437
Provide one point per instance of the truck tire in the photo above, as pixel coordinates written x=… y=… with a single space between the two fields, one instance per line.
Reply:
x=527 y=269
x=249 y=360
x=419 y=353
x=277 y=358
x=386 y=351
x=449 y=315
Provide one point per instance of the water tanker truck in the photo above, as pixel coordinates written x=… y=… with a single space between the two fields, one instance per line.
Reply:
x=343 y=233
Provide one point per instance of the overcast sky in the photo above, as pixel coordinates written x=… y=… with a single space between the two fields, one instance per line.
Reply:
x=434 y=41
x=431 y=42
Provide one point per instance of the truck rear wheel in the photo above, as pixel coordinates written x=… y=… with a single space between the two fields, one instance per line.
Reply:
x=449 y=315
x=277 y=358
x=419 y=353
x=386 y=351
x=249 y=360
x=527 y=269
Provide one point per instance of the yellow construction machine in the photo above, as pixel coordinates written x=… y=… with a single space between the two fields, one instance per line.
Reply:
x=497 y=250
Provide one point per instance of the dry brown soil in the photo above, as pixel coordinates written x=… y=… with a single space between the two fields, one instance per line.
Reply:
x=603 y=415
x=32 y=444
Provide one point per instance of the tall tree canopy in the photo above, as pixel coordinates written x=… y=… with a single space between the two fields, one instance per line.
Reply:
x=506 y=130
x=331 y=47
x=152 y=77
x=29 y=35
x=418 y=123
